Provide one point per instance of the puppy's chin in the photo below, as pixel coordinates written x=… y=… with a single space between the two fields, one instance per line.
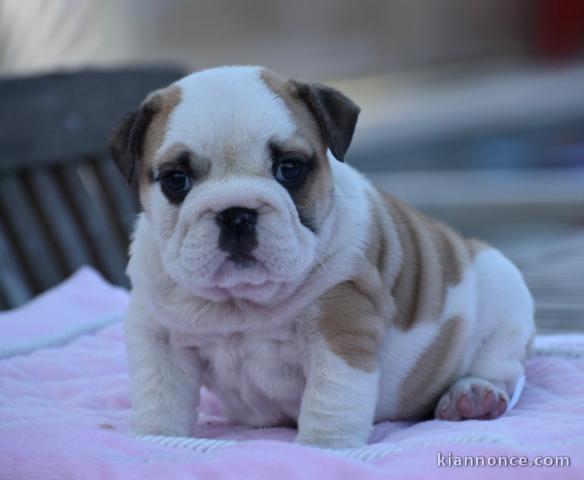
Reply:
x=261 y=294
x=254 y=282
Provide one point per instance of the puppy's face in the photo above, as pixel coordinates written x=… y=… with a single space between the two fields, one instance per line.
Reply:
x=234 y=178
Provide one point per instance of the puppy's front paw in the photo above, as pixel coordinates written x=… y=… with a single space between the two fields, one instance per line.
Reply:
x=328 y=440
x=472 y=398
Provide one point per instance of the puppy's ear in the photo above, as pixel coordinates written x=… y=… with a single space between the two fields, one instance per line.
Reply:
x=126 y=144
x=335 y=113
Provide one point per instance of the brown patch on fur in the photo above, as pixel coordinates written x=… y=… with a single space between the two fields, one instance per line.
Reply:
x=199 y=167
x=426 y=382
x=351 y=326
x=164 y=102
x=306 y=125
x=433 y=258
x=313 y=199
x=406 y=289
x=451 y=254
x=377 y=248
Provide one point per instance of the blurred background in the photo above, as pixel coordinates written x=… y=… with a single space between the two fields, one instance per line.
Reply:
x=472 y=110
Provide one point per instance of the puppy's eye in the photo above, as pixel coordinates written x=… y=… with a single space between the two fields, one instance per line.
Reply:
x=176 y=184
x=289 y=172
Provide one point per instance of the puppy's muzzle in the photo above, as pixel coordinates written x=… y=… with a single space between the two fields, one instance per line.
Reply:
x=237 y=235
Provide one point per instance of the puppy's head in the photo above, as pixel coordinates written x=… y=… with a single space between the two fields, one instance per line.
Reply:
x=233 y=176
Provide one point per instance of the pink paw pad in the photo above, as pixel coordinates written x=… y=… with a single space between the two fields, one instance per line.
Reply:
x=472 y=399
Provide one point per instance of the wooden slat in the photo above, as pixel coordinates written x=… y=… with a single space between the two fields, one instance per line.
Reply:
x=79 y=191
x=119 y=201
x=13 y=286
x=68 y=242
x=23 y=226
x=16 y=251
x=39 y=201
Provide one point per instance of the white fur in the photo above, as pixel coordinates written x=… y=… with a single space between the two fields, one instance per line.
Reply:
x=262 y=354
x=504 y=320
x=338 y=402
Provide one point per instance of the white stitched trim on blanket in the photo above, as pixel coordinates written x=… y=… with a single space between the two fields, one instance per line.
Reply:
x=561 y=349
x=58 y=339
x=371 y=452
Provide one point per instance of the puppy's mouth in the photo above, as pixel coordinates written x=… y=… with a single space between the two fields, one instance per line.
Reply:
x=242 y=260
x=243 y=277
x=244 y=269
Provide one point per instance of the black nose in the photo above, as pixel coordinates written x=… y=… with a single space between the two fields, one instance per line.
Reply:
x=238 y=221
x=238 y=234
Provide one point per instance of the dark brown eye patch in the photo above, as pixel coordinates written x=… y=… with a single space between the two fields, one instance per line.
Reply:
x=291 y=167
x=181 y=162
x=176 y=178
x=294 y=169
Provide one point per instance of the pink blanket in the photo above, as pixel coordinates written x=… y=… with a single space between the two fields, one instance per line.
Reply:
x=64 y=409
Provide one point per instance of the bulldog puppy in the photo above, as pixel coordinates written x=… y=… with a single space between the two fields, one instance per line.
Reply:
x=279 y=277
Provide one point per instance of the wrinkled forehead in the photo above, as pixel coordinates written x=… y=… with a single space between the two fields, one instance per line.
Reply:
x=228 y=111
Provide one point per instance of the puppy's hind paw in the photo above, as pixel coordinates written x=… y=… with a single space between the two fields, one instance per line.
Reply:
x=472 y=398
